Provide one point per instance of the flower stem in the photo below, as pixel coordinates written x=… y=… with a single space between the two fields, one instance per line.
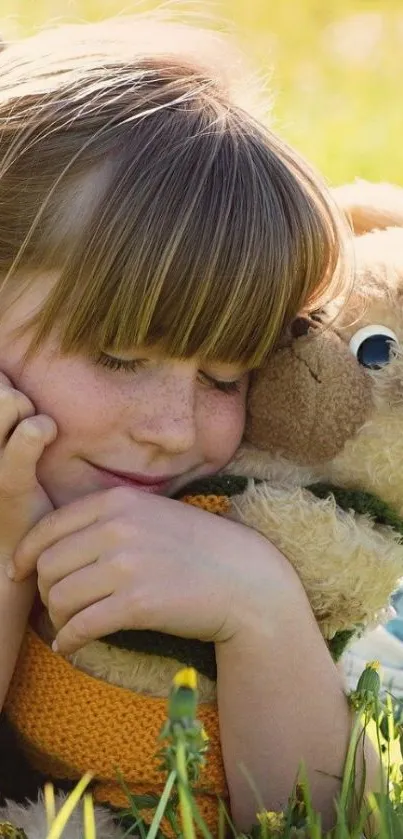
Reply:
x=183 y=787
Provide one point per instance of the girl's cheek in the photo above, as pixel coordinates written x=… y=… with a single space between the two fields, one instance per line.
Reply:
x=223 y=428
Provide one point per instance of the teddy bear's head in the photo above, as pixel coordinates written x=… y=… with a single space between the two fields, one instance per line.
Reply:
x=330 y=402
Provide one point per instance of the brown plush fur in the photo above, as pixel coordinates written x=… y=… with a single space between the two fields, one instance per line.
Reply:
x=310 y=400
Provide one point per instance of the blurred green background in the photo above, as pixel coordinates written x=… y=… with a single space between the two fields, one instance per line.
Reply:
x=335 y=70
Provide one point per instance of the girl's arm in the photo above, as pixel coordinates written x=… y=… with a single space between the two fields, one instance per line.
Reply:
x=281 y=701
x=15 y=604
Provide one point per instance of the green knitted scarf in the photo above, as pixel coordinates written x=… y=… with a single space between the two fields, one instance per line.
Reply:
x=201 y=654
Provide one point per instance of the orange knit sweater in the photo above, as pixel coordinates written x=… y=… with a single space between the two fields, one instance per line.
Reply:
x=70 y=723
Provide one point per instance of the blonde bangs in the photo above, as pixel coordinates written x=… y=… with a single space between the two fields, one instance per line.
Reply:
x=204 y=245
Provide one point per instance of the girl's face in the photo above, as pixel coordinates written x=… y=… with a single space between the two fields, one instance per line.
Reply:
x=153 y=422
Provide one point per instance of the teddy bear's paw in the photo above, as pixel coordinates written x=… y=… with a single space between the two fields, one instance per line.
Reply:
x=31 y=818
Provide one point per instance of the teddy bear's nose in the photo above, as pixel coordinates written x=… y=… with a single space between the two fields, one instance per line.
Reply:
x=300 y=326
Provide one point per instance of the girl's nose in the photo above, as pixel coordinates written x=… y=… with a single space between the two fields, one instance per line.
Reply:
x=167 y=417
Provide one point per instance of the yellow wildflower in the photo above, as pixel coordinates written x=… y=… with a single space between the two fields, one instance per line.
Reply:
x=186 y=678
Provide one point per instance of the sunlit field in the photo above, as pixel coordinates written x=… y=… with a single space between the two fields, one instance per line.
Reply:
x=334 y=70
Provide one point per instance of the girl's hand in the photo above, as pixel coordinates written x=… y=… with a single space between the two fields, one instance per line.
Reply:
x=120 y=559
x=23 y=437
x=23 y=502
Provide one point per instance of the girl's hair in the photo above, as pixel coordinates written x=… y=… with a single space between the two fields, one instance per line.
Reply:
x=172 y=217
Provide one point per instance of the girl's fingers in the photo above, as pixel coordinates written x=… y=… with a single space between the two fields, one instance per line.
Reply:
x=22 y=452
x=71 y=553
x=77 y=592
x=55 y=526
x=14 y=407
x=99 y=619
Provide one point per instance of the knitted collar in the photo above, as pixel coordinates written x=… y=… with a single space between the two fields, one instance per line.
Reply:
x=69 y=722
x=214 y=494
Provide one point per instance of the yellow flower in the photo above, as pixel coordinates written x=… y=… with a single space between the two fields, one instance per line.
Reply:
x=182 y=701
x=186 y=678
x=272 y=820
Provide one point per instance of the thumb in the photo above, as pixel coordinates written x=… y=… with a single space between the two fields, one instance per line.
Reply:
x=23 y=451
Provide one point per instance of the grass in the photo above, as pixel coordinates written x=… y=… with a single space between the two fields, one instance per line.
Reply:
x=335 y=70
x=184 y=751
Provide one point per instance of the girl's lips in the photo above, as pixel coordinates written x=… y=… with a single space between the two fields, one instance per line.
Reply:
x=115 y=479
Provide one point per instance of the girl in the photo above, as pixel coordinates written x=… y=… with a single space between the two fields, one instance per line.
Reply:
x=154 y=241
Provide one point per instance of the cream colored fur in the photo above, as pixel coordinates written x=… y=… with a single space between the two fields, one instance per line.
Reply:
x=139 y=672
x=331 y=550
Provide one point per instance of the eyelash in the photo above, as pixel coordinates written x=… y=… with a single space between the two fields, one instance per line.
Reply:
x=134 y=364
x=131 y=365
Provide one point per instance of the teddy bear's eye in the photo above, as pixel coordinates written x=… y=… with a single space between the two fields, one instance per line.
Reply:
x=374 y=345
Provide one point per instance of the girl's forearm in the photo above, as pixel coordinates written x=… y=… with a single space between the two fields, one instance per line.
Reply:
x=16 y=601
x=281 y=702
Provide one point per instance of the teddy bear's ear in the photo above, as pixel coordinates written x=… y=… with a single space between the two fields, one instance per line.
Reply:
x=370 y=206
x=309 y=399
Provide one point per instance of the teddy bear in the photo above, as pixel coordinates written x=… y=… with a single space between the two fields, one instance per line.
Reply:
x=319 y=473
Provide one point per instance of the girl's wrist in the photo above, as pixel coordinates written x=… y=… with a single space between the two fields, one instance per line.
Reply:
x=272 y=588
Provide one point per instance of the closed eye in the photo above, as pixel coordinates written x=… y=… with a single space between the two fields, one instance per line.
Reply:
x=129 y=365
x=220 y=384
x=132 y=365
